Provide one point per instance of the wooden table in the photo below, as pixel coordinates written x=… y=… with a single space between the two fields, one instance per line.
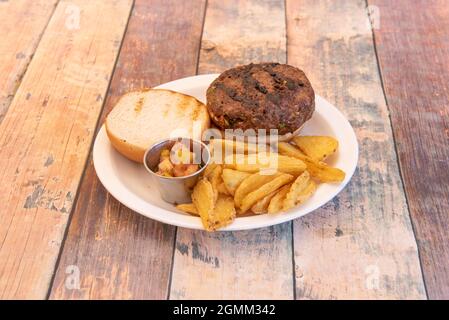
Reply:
x=63 y=64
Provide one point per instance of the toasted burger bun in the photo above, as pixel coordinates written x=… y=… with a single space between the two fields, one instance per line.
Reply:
x=142 y=118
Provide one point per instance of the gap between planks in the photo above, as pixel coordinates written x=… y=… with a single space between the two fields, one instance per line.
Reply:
x=121 y=254
x=44 y=150
x=75 y=200
x=379 y=70
x=19 y=42
x=244 y=264
x=367 y=223
x=414 y=34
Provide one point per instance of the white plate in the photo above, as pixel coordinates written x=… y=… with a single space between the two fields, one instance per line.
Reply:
x=130 y=184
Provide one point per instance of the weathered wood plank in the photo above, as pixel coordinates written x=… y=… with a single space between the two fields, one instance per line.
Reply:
x=46 y=135
x=119 y=253
x=361 y=245
x=413 y=50
x=238 y=32
x=251 y=264
x=22 y=23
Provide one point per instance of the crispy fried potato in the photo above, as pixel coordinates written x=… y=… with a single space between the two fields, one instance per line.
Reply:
x=188 y=208
x=316 y=147
x=233 y=178
x=209 y=169
x=266 y=162
x=291 y=150
x=222 y=189
x=288 y=149
x=250 y=184
x=204 y=200
x=299 y=185
x=254 y=196
x=213 y=214
x=224 y=211
x=278 y=199
x=306 y=193
x=323 y=172
x=215 y=179
x=222 y=148
x=261 y=206
x=317 y=169
x=261 y=181
x=233 y=146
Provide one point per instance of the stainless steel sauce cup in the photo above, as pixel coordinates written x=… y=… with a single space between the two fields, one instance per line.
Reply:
x=176 y=190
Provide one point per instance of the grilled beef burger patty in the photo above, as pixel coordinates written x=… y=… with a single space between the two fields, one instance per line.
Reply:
x=261 y=96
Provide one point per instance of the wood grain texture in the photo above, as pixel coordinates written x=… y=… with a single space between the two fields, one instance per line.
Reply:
x=237 y=265
x=360 y=245
x=46 y=135
x=119 y=253
x=413 y=50
x=238 y=32
x=22 y=23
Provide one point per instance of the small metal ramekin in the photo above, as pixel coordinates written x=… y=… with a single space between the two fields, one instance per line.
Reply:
x=176 y=190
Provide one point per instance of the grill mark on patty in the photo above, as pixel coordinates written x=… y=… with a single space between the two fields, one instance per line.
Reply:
x=281 y=80
x=232 y=93
x=250 y=82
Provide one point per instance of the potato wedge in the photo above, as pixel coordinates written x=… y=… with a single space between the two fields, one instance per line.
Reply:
x=233 y=146
x=323 y=172
x=291 y=150
x=254 y=196
x=261 y=206
x=277 y=201
x=222 y=188
x=204 y=200
x=209 y=170
x=306 y=193
x=233 y=178
x=266 y=162
x=189 y=208
x=316 y=147
x=215 y=179
x=224 y=211
x=250 y=184
x=318 y=170
x=297 y=186
x=288 y=149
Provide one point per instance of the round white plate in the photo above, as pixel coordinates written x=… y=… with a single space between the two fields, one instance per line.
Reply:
x=130 y=184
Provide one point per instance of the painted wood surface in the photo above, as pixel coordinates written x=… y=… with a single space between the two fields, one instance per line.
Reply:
x=45 y=137
x=413 y=48
x=119 y=253
x=242 y=265
x=360 y=245
x=22 y=23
